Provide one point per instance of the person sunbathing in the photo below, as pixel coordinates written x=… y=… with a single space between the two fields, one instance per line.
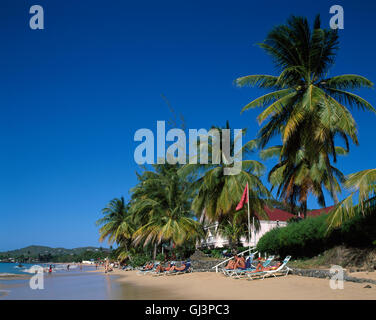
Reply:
x=232 y=263
x=260 y=267
x=181 y=268
x=272 y=267
x=240 y=263
x=168 y=268
x=149 y=266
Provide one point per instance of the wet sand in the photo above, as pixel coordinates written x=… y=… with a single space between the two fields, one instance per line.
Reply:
x=216 y=286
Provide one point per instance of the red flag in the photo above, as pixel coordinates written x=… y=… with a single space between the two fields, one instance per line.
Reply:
x=244 y=198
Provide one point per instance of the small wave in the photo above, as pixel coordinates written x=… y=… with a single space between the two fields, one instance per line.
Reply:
x=10 y=275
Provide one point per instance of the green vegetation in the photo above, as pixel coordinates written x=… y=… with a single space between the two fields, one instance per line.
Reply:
x=309 y=237
x=305 y=108
x=309 y=112
x=157 y=218
x=363 y=183
x=47 y=254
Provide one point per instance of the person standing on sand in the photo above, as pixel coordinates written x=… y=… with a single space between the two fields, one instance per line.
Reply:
x=106 y=266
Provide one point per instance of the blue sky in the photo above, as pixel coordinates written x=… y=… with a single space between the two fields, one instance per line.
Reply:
x=73 y=95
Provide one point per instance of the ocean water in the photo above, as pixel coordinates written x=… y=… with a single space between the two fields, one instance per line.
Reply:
x=61 y=284
x=13 y=268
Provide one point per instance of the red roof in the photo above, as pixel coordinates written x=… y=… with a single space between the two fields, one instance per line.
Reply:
x=281 y=215
x=318 y=212
x=277 y=214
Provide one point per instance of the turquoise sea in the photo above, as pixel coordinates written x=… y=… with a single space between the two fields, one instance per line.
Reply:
x=75 y=284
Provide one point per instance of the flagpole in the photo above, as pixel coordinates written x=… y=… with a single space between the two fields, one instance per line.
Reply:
x=249 y=223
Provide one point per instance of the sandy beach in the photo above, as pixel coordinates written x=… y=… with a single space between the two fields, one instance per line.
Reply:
x=201 y=285
x=128 y=285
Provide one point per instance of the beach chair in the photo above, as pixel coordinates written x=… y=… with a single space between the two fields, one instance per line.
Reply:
x=157 y=273
x=229 y=272
x=143 y=272
x=244 y=272
x=282 y=269
x=187 y=269
x=262 y=274
x=239 y=271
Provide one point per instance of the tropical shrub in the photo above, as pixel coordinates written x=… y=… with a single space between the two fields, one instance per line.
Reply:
x=139 y=260
x=309 y=237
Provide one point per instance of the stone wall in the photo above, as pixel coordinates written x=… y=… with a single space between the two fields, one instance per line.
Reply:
x=204 y=265
x=325 y=274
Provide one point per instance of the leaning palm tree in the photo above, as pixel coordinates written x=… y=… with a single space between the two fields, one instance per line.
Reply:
x=305 y=106
x=116 y=225
x=362 y=183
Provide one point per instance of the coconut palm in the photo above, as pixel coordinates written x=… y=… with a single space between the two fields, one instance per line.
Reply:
x=116 y=225
x=164 y=209
x=216 y=194
x=295 y=182
x=233 y=228
x=362 y=183
x=306 y=107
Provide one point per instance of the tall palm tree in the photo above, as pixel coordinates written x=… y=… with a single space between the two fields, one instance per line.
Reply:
x=295 y=182
x=305 y=106
x=362 y=183
x=215 y=194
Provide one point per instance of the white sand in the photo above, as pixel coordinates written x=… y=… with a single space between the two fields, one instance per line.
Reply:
x=200 y=285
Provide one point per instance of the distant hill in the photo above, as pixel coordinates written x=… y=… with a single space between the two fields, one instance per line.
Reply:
x=35 y=251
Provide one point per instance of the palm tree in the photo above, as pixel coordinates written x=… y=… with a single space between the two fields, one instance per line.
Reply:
x=233 y=228
x=164 y=209
x=116 y=225
x=215 y=194
x=362 y=183
x=306 y=108
x=295 y=182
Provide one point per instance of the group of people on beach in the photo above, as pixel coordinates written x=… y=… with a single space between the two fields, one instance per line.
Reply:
x=240 y=263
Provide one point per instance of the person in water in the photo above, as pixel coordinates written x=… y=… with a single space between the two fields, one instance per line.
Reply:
x=68 y=267
x=50 y=269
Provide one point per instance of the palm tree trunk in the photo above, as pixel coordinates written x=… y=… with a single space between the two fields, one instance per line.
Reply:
x=155 y=251
x=333 y=193
x=304 y=207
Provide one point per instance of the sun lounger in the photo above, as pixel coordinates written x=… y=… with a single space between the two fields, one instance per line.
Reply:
x=243 y=272
x=161 y=273
x=282 y=269
x=143 y=272
x=248 y=266
x=186 y=269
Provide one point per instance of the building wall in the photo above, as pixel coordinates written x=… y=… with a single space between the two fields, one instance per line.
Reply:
x=216 y=241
